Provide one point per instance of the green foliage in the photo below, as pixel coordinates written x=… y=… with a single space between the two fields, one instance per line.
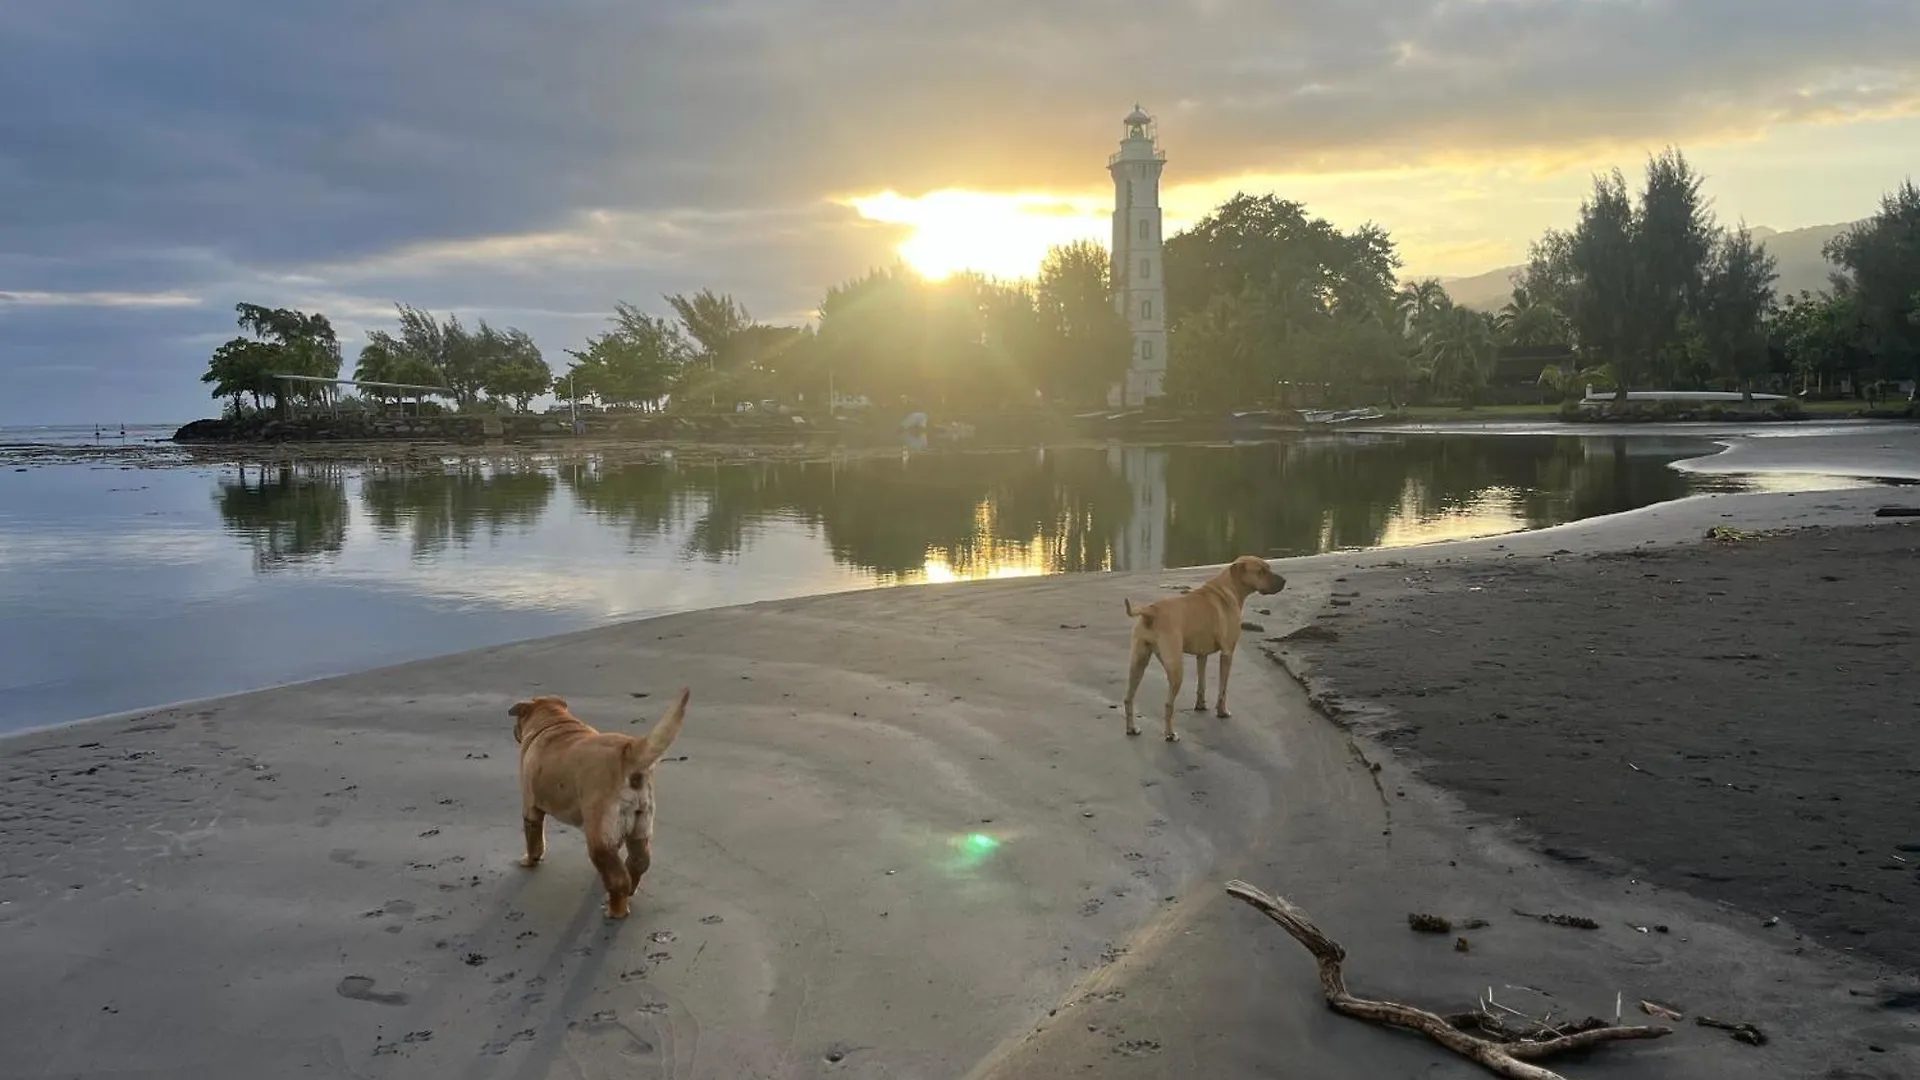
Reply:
x=635 y=363
x=284 y=342
x=1648 y=290
x=1457 y=351
x=1736 y=298
x=1260 y=295
x=1879 y=261
x=1824 y=338
x=504 y=364
x=967 y=342
x=1529 y=318
x=384 y=360
x=1602 y=259
x=1086 y=344
x=511 y=367
x=712 y=321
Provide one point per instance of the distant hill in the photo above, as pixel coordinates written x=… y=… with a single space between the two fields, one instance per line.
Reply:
x=1797 y=252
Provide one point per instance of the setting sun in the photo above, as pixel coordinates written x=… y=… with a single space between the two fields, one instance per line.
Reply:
x=1001 y=236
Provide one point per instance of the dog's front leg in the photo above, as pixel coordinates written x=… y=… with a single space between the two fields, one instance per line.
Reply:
x=1226 y=666
x=1175 y=665
x=1200 y=687
x=533 y=821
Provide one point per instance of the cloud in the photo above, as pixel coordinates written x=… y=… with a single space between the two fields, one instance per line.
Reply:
x=491 y=155
x=97 y=299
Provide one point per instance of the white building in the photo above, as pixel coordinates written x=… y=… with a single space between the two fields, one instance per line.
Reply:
x=1138 y=290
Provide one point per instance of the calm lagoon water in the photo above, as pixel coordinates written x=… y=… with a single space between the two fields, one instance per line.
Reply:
x=122 y=588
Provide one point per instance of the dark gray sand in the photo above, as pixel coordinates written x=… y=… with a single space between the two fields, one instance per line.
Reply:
x=1737 y=719
x=319 y=881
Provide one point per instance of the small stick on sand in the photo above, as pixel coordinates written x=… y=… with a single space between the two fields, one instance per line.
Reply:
x=1577 y=922
x=1746 y=1033
x=1508 y=1059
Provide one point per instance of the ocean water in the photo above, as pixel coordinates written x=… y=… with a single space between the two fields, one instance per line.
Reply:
x=106 y=434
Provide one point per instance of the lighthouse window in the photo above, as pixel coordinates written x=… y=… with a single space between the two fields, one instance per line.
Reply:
x=1146 y=350
x=1146 y=309
x=1143 y=230
x=1146 y=269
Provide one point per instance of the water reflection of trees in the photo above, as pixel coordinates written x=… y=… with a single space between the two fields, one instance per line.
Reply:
x=453 y=505
x=1317 y=495
x=1061 y=510
x=888 y=516
x=286 y=513
x=1064 y=510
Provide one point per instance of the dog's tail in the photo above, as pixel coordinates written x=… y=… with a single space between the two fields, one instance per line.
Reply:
x=1145 y=616
x=642 y=753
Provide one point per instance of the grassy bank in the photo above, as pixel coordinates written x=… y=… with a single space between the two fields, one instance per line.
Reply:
x=1843 y=408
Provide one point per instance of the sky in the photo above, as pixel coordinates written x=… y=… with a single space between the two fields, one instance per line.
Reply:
x=531 y=164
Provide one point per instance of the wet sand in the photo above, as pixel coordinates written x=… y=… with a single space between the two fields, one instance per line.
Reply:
x=901 y=836
x=1736 y=719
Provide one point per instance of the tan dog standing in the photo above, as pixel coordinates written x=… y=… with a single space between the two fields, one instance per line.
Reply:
x=1198 y=623
x=599 y=782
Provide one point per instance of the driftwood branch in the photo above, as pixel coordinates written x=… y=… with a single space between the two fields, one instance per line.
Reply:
x=1510 y=1059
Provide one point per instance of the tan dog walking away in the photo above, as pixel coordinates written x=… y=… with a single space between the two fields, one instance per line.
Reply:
x=1198 y=623
x=599 y=782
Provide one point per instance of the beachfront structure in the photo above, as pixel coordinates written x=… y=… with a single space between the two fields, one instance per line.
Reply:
x=1139 y=291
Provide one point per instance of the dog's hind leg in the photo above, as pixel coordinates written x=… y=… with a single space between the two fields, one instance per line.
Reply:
x=639 y=858
x=1200 y=687
x=1175 y=664
x=533 y=821
x=1137 y=667
x=603 y=847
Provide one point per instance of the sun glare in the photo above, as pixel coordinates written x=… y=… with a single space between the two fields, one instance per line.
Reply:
x=1001 y=236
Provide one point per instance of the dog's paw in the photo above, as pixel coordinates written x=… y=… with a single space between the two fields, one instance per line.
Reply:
x=527 y=862
x=1223 y=714
x=619 y=913
x=1199 y=706
x=1173 y=736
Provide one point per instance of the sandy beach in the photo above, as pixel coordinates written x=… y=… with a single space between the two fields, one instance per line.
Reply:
x=902 y=836
x=1736 y=719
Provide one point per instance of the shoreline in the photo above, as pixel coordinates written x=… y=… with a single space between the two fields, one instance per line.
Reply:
x=1739 y=454
x=348 y=844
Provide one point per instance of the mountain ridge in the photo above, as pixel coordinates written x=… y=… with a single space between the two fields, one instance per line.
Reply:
x=1797 y=251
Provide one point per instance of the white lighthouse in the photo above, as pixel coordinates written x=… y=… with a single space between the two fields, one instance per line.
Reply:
x=1138 y=289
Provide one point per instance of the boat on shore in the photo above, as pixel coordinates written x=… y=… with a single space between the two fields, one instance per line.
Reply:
x=1341 y=416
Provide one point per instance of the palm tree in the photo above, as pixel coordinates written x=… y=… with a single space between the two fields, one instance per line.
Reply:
x=1529 y=320
x=1458 y=349
x=1418 y=302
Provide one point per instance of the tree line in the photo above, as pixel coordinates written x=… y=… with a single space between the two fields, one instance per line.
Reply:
x=1265 y=303
x=967 y=342
x=1651 y=292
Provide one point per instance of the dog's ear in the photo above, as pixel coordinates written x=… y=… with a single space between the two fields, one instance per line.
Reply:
x=520 y=710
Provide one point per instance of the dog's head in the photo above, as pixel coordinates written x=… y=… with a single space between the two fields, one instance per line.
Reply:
x=1253 y=574
x=535 y=713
